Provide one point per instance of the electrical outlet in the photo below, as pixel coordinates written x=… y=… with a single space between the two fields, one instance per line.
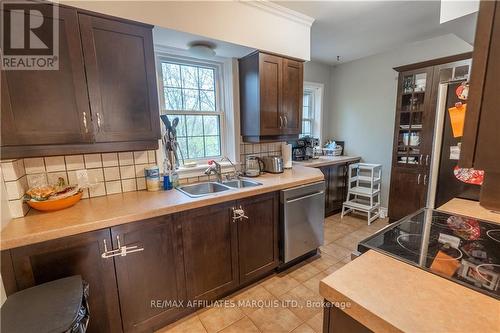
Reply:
x=82 y=177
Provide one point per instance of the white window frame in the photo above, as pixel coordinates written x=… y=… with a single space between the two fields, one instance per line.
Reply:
x=219 y=96
x=318 y=97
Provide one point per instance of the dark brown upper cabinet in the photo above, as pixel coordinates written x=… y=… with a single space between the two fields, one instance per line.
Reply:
x=46 y=107
x=119 y=62
x=271 y=90
x=102 y=98
x=481 y=140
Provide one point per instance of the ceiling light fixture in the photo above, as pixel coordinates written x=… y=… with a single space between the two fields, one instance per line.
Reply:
x=202 y=49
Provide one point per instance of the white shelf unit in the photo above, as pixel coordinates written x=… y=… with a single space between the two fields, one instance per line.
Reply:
x=363 y=190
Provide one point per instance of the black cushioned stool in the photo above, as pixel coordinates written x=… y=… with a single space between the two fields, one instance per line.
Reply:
x=56 y=306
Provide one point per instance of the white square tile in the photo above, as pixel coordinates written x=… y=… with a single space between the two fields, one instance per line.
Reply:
x=13 y=170
x=140 y=157
x=95 y=175
x=55 y=163
x=85 y=194
x=93 y=161
x=112 y=173
x=72 y=179
x=248 y=149
x=129 y=185
x=256 y=148
x=53 y=177
x=109 y=159
x=34 y=165
x=113 y=187
x=152 y=156
x=264 y=147
x=18 y=208
x=139 y=170
x=74 y=162
x=97 y=190
x=127 y=172
x=141 y=183
x=17 y=188
x=36 y=180
x=126 y=158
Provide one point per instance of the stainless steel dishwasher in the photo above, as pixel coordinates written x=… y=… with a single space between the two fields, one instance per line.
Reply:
x=302 y=213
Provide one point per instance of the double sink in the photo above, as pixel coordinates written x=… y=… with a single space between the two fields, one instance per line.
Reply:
x=207 y=188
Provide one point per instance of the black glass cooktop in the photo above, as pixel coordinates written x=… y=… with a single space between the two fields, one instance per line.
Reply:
x=462 y=249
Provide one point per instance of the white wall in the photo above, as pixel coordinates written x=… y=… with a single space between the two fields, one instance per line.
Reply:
x=321 y=73
x=260 y=25
x=363 y=99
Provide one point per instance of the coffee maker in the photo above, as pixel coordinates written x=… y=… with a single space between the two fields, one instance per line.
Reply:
x=303 y=148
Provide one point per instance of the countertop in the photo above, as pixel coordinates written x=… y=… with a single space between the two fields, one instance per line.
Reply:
x=326 y=160
x=470 y=208
x=107 y=211
x=387 y=295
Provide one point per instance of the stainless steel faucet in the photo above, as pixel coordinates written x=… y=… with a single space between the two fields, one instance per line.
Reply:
x=214 y=168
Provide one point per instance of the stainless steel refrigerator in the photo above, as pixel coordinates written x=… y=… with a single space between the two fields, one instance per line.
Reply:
x=444 y=186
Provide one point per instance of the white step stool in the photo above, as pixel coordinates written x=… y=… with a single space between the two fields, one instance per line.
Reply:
x=363 y=190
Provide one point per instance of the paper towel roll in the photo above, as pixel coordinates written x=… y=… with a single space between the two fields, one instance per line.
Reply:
x=286 y=153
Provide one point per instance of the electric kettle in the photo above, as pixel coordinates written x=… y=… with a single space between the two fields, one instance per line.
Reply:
x=253 y=166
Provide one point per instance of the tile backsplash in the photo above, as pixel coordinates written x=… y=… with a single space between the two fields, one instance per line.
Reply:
x=109 y=173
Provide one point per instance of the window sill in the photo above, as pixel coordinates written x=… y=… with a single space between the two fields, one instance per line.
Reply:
x=199 y=170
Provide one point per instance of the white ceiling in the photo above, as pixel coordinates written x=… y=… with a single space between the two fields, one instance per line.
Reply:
x=356 y=29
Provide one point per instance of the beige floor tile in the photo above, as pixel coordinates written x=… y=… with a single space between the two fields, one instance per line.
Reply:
x=304 y=328
x=304 y=272
x=217 y=318
x=313 y=283
x=303 y=302
x=280 y=284
x=350 y=241
x=316 y=322
x=252 y=299
x=191 y=324
x=244 y=325
x=337 y=251
x=322 y=261
x=334 y=268
x=275 y=320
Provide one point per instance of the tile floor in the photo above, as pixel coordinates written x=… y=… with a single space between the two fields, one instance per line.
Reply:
x=292 y=289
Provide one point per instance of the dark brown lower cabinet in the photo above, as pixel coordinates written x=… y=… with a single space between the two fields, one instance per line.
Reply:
x=335 y=186
x=209 y=238
x=337 y=321
x=149 y=279
x=258 y=236
x=79 y=254
x=201 y=254
x=408 y=192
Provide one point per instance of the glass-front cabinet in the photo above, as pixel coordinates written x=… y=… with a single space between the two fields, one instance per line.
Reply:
x=412 y=112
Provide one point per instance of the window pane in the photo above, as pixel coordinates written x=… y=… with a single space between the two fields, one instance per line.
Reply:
x=212 y=146
x=171 y=75
x=207 y=100
x=189 y=76
x=196 y=147
x=181 y=126
x=207 y=81
x=190 y=99
x=173 y=99
x=211 y=125
x=194 y=125
x=183 y=146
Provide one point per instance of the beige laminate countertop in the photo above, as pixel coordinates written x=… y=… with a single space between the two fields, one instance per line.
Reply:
x=470 y=208
x=387 y=295
x=107 y=211
x=326 y=160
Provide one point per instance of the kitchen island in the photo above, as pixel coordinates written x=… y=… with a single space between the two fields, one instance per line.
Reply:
x=383 y=294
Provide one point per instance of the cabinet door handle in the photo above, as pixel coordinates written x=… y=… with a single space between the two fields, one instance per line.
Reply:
x=286 y=121
x=418 y=179
x=421 y=158
x=426 y=159
x=121 y=251
x=281 y=122
x=239 y=214
x=85 y=122
x=99 y=122
x=425 y=179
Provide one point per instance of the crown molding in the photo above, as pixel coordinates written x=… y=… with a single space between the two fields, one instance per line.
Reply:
x=278 y=10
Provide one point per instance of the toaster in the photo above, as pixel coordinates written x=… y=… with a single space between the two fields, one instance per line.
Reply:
x=273 y=164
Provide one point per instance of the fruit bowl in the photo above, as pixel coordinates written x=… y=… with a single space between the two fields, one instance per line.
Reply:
x=52 y=205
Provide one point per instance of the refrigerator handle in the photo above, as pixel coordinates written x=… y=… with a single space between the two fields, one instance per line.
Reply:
x=418 y=179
